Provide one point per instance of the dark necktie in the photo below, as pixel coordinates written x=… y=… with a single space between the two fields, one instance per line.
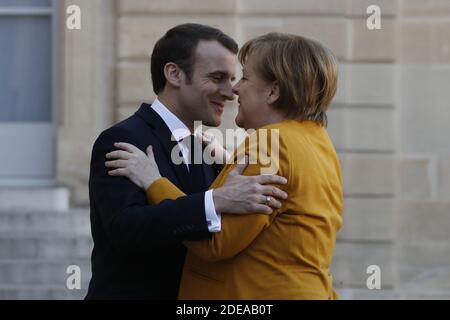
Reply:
x=196 y=173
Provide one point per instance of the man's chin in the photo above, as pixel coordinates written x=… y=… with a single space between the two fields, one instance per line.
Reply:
x=212 y=122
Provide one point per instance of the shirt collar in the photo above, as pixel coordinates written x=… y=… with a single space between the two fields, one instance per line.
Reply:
x=178 y=129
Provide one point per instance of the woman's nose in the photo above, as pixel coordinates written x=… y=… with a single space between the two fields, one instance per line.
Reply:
x=235 y=88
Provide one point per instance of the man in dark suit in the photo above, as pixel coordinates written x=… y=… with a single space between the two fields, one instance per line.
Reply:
x=138 y=251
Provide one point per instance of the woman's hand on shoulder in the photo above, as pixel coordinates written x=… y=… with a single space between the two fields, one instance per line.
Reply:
x=131 y=162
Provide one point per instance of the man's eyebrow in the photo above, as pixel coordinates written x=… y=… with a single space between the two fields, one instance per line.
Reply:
x=218 y=72
x=221 y=73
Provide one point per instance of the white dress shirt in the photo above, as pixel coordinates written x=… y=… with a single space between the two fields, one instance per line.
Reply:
x=180 y=131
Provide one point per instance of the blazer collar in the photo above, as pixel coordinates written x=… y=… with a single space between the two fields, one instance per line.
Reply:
x=164 y=135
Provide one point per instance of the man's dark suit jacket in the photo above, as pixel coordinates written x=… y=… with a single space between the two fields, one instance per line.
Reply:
x=137 y=251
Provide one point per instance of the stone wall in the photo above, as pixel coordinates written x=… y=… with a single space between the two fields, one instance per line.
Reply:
x=389 y=120
x=423 y=217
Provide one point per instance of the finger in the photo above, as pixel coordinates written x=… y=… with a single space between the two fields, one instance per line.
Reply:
x=116 y=164
x=126 y=146
x=274 y=203
x=200 y=136
x=270 y=179
x=240 y=167
x=149 y=151
x=207 y=137
x=151 y=155
x=118 y=154
x=260 y=208
x=118 y=172
x=273 y=192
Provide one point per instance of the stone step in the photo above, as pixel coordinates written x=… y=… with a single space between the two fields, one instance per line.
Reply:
x=426 y=295
x=50 y=199
x=366 y=294
x=389 y=294
x=75 y=222
x=40 y=293
x=45 y=246
x=43 y=272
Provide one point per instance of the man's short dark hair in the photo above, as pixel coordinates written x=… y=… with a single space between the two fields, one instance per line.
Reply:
x=178 y=46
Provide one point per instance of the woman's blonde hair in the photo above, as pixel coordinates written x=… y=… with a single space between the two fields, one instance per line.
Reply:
x=305 y=70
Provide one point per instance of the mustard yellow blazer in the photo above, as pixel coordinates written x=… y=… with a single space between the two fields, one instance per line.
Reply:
x=285 y=255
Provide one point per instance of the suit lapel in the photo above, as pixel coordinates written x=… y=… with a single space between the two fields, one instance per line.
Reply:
x=163 y=134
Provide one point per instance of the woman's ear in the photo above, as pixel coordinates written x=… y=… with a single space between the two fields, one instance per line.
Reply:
x=173 y=73
x=274 y=93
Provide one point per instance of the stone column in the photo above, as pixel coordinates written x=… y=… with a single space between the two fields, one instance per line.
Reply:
x=86 y=102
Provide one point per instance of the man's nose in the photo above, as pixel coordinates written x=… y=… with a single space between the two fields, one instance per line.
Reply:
x=228 y=92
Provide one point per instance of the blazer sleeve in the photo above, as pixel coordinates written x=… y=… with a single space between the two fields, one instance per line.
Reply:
x=238 y=231
x=125 y=215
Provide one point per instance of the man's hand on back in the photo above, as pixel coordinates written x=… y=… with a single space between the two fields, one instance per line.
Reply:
x=249 y=194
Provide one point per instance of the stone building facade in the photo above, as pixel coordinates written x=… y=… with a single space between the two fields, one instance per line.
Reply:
x=389 y=120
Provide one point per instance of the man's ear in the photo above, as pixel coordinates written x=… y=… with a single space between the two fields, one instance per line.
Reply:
x=274 y=93
x=174 y=75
